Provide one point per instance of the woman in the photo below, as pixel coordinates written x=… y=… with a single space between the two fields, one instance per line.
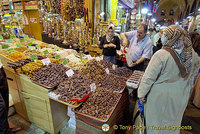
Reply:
x=110 y=43
x=165 y=86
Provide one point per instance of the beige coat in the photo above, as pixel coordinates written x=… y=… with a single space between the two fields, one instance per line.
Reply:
x=168 y=93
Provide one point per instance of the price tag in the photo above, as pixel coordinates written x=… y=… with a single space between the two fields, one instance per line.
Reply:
x=30 y=43
x=56 y=49
x=1 y=37
x=64 y=62
x=38 y=47
x=19 y=45
x=33 y=57
x=22 y=40
x=57 y=57
x=70 y=72
x=98 y=59
x=46 y=52
x=31 y=47
x=9 y=41
x=107 y=71
x=32 y=39
x=89 y=57
x=12 y=37
x=26 y=36
x=4 y=46
x=114 y=66
x=81 y=57
x=93 y=87
x=46 y=61
x=1 y=64
x=11 y=50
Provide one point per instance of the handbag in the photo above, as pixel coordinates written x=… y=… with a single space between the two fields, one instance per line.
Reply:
x=138 y=119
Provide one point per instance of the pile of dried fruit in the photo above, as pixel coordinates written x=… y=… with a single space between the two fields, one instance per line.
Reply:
x=17 y=56
x=21 y=49
x=31 y=67
x=122 y=71
x=94 y=71
x=31 y=52
x=50 y=75
x=100 y=104
x=114 y=83
x=106 y=64
x=18 y=64
x=77 y=86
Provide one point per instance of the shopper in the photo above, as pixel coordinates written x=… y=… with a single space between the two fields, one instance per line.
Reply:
x=158 y=46
x=165 y=87
x=140 y=46
x=110 y=43
x=3 y=103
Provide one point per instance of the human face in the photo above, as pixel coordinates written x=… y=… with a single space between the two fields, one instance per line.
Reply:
x=140 y=33
x=110 y=32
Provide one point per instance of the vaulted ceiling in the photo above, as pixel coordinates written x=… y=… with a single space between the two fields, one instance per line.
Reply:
x=182 y=9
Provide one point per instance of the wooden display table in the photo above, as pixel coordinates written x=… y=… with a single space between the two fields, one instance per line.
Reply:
x=31 y=101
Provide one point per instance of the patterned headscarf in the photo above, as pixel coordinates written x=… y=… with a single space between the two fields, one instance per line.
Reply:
x=109 y=38
x=182 y=53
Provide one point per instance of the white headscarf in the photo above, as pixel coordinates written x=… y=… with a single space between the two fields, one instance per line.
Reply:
x=109 y=38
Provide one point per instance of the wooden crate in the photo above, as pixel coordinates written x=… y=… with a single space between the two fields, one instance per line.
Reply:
x=93 y=126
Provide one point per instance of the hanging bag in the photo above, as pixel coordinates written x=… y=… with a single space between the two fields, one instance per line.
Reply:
x=138 y=119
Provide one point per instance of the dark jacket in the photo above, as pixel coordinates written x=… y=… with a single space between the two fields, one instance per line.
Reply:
x=110 y=51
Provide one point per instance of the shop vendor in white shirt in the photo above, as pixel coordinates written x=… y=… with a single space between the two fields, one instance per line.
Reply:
x=140 y=46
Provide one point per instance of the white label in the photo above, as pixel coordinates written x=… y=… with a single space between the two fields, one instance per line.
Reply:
x=107 y=71
x=46 y=61
x=89 y=57
x=93 y=87
x=98 y=59
x=70 y=73
x=1 y=64
x=114 y=66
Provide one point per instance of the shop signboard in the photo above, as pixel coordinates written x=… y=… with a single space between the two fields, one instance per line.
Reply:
x=31 y=5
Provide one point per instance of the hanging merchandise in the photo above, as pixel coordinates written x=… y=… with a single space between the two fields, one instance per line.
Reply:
x=133 y=18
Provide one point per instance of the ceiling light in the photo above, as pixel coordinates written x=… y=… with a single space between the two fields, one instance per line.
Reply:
x=144 y=11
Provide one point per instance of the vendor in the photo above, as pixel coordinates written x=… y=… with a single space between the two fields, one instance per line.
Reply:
x=110 y=43
x=140 y=46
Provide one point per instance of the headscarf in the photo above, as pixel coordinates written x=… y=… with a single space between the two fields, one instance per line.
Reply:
x=181 y=52
x=109 y=38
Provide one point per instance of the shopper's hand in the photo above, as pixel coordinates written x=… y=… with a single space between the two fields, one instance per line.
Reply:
x=125 y=43
x=106 y=46
x=142 y=100
x=112 y=45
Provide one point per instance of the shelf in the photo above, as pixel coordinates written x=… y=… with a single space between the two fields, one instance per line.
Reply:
x=17 y=1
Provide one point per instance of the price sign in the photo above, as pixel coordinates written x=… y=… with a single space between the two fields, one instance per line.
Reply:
x=93 y=87
x=107 y=71
x=57 y=57
x=11 y=50
x=1 y=37
x=19 y=45
x=64 y=62
x=46 y=52
x=12 y=37
x=22 y=40
x=9 y=41
x=56 y=49
x=33 y=57
x=26 y=36
x=114 y=66
x=38 y=47
x=81 y=57
x=4 y=46
x=98 y=59
x=70 y=72
x=30 y=43
x=89 y=57
x=31 y=47
x=46 y=61
x=32 y=39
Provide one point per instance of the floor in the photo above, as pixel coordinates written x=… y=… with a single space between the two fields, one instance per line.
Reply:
x=191 y=117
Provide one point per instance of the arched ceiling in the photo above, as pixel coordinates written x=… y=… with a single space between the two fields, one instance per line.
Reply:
x=181 y=7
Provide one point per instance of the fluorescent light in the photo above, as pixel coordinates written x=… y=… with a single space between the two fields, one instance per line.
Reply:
x=153 y=20
x=144 y=11
x=149 y=14
x=199 y=9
